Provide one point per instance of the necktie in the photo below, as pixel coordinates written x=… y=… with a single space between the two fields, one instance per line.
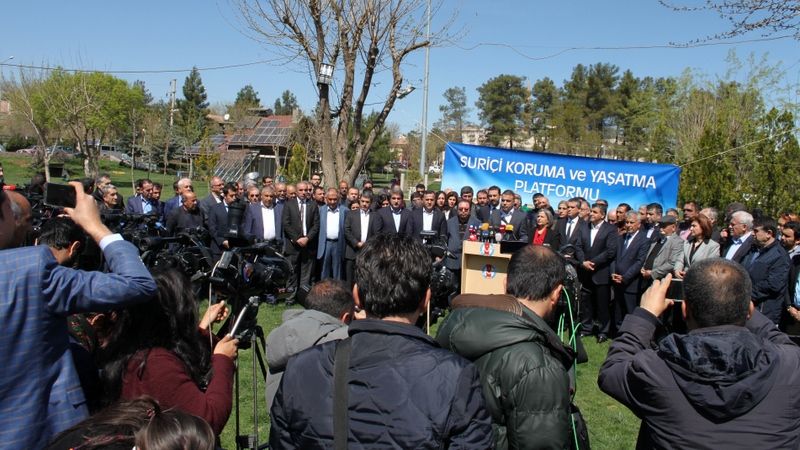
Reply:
x=302 y=210
x=569 y=228
x=737 y=242
x=627 y=240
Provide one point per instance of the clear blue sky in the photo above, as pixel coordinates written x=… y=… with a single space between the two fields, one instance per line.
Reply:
x=179 y=34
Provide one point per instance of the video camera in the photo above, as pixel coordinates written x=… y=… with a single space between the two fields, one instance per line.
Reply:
x=249 y=274
x=443 y=281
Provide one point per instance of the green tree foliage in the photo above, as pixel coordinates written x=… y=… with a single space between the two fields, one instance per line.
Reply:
x=454 y=112
x=190 y=123
x=298 y=164
x=248 y=97
x=285 y=104
x=380 y=155
x=545 y=101
x=502 y=103
x=90 y=108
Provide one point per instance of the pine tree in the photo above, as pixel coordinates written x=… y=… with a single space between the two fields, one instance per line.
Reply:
x=501 y=106
x=192 y=110
x=247 y=97
x=286 y=104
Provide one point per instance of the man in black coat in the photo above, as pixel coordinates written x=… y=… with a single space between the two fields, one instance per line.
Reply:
x=598 y=244
x=729 y=383
x=359 y=226
x=427 y=218
x=508 y=215
x=394 y=218
x=218 y=221
x=300 y=223
x=768 y=265
x=186 y=216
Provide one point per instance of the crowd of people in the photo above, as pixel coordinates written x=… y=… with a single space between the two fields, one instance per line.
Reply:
x=127 y=344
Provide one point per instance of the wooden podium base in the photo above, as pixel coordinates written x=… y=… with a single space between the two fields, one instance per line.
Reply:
x=483 y=268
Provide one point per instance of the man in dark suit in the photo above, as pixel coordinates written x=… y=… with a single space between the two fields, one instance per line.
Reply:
x=330 y=249
x=394 y=218
x=187 y=216
x=262 y=220
x=627 y=269
x=218 y=221
x=457 y=232
x=427 y=218
x=739 y=244
x=598 y=243
x=570 y=228
x=39 y=385
x=300 y=231
x=214 y=195
x=359 y=226
x=142 y=203
x=508 y=215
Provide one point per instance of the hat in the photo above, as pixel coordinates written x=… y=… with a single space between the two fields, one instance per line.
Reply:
x=668 y=220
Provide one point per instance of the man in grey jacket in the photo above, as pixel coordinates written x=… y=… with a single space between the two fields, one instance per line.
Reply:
x=330 y=309
x=663 y=253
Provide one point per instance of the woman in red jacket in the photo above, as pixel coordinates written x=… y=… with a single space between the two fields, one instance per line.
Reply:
x=159 y=350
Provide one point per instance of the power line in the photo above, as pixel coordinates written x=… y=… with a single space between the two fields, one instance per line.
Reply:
x=512 y=47
x=738 y=147
x=228 y=66
x=515 y=48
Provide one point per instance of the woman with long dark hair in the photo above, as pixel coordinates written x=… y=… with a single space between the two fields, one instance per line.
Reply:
x=159 y=350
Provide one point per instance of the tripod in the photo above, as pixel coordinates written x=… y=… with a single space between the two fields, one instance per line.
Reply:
x=250 y=334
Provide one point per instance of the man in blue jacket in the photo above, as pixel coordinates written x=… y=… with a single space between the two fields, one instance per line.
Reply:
x=40 y=393
x=401 y=389
x=768 y=265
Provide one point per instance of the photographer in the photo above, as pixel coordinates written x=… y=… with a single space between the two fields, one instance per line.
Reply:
x=38 y=381
x=731 y=382
x=158 y=350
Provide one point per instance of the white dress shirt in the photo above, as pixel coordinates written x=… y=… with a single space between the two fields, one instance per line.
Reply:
x=332 y=224
x=427 y=220
x=364 y=225
x=268 y=219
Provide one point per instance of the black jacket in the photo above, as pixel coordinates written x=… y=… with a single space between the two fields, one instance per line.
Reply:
x=769 y=272
x=523 y=368
x=718 y=387
x=404 y=392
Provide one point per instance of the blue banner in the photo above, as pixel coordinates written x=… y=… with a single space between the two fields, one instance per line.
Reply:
x=560 y=177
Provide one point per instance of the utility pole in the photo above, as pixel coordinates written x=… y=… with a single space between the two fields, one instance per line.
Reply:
x=173 y=86
x=423 y=170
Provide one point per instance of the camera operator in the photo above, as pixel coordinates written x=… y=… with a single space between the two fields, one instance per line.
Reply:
x=38 y=381
x=158 y=349
x=731 y=382
x=522 y=364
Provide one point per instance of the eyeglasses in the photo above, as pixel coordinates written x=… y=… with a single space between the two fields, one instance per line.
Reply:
x=463 y=209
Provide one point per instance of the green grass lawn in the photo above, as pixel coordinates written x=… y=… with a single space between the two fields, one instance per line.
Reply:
x=611 y=425
x=18 y=170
